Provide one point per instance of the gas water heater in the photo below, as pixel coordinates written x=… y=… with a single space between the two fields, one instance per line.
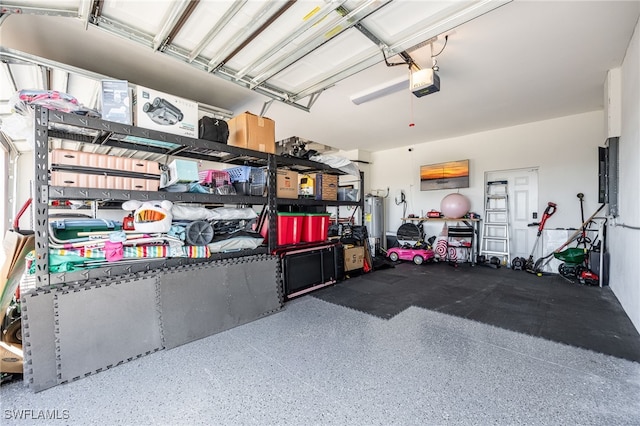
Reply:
x=374 y=221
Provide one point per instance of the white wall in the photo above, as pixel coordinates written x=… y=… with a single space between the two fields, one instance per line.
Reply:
x=564 y=150
x=625 y=242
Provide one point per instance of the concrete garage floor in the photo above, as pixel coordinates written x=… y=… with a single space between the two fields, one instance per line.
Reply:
x=317 y=363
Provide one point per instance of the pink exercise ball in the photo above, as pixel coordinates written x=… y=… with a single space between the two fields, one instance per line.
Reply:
x=455 y=206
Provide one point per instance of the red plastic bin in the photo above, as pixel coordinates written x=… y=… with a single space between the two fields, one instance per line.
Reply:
x=289 y=228
x=315 y=227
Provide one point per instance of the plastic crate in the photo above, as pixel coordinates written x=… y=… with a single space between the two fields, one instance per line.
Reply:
x=289 y=228
x=254 y=175
x=315 y=227
x=214 y=178
x=247 y=188
x=347 y=194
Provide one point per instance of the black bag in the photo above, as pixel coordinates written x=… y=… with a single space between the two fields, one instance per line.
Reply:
x=213 y=129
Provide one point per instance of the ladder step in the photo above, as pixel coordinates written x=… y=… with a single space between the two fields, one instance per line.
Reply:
x=495 y=210
x=496 y=238
x=496 y=224
x=497 y=196
x=503 y=253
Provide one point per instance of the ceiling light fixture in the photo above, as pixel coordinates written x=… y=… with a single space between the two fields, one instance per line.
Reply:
x=380 y=90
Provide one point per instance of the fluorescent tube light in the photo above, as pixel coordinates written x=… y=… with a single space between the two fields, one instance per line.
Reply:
x=380 y=90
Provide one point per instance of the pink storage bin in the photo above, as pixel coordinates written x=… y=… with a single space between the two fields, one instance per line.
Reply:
x=103 y=161
x=83 y=180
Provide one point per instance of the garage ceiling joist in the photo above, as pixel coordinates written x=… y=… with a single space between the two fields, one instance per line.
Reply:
x=266 y=46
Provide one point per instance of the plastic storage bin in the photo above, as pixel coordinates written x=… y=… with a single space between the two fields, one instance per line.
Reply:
x=246 y=174
x=214 y=178
x=347 y=194
x=315 y=227
x=248 y=180
x=218 y=182
x=290 y=228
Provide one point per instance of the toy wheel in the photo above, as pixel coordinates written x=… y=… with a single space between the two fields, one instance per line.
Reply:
x=157 y=102
x=418 y=260
x=146 y=107
x=13 y=333
x=394 y=257
x=198 y=233
x=180 y=116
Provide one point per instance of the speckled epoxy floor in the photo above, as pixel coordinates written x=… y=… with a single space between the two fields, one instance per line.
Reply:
x=319 y=363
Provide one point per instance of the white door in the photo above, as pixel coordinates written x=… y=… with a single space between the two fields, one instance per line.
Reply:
x=523 y=208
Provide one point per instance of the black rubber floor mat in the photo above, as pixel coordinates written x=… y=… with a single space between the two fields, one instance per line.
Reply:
x=547 y=307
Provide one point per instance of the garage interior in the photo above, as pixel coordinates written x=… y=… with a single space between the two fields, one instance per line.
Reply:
x=525 y=88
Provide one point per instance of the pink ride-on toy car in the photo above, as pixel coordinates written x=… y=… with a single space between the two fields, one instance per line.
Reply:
x=417 y=255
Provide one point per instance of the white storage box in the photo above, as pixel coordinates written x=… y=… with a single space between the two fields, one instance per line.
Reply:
x=166 y=113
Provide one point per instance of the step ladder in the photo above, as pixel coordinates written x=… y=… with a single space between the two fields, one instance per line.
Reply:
x=495 y=228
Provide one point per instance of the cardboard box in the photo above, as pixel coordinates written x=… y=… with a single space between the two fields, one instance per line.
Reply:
x=326 y=186
x=116 y=101
x=166 y=113
x=252 y=132
x=353 y=258
x=286 y=184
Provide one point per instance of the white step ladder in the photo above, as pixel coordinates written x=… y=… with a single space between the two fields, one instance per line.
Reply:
x=495 y=228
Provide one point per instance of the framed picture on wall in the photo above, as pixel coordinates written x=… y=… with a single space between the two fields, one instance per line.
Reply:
x=452 y=174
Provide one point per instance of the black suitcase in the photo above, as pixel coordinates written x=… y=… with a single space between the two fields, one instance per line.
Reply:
x=213 y=129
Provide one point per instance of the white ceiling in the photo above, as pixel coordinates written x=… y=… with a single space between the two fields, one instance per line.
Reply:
x=524 y=61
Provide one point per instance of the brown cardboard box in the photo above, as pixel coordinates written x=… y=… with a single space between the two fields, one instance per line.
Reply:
x=252 y=132
x=326 y=186
x=286 y=184
x=353 y=258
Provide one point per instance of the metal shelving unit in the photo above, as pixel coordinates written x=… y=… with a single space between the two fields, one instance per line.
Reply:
x=149 y=304
x=59 y=125
x=71 y=127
